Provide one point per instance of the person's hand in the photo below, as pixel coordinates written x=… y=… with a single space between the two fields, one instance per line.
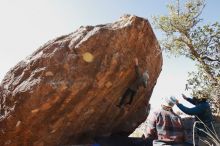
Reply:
x=177 y=101
x=136 y=61
x=184 y=96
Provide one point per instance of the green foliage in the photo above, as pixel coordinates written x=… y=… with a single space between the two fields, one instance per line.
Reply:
x=184 y=35
x=178 y=25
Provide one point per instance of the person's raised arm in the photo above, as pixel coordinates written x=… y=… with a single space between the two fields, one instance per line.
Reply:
x=137 y=69
x=190 y=100
x=191 y=111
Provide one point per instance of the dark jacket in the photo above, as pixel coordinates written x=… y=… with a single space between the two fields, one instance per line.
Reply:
x=202 y=111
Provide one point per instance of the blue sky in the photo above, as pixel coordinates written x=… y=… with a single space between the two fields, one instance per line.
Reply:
x=27 y=24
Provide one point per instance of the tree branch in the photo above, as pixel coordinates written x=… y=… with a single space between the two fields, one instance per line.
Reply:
x=210 y=59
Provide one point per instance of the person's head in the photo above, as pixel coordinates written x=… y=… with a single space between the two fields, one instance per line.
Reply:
x=200 y=97
x=169 y=101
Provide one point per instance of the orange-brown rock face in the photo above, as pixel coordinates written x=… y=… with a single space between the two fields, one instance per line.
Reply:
x=61 y=95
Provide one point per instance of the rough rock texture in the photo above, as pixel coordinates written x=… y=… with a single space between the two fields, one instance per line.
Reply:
x=54 y=97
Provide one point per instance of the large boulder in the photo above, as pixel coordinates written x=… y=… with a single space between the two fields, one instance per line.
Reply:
x=67 y=91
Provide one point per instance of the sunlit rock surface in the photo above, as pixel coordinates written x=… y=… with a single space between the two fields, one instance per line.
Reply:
x=67 y=91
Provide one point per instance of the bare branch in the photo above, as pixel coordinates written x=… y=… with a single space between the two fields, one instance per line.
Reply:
x=210 y=59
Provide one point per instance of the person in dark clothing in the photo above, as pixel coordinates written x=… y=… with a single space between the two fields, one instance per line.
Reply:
x=141 y=80
x=202 y=113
